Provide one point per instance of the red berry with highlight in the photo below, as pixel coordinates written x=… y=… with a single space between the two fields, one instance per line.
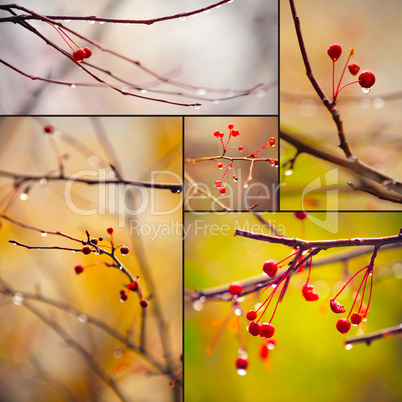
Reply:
x=217 y=134
x=366 y=79
x=222 y=190
x=334 y=51
x=220 y=165
x=235 y=133
x=235 y=288
x=270 y=268
x=86 y=250
x=109 y=230
x=254 y=328
x=48 y=129
x=356 y=318
x=272 y=141
x=241 y=364
x=240 y=148
x=143 y=303
x=79 y=55
x=353 y=68
x=251 y=315
x=78 y=269
x=267 y=330
x=123 y=297
x=124 y=250
x=230 y=126
x=87 y=51
x=218 y=183
x=343 y=325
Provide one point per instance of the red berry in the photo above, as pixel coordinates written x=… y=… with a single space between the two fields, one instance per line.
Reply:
x=230 y=126
x=218 y=183
x=353 y=68
x=272 y=141
x=356 y=318
x=123 y=297
x=270 y=268
x=94 y=241
x=88 y=52
x=122 y=292
x=267 y=330
x=79 y=55
x=109 y=230
x=366 y=79
x=241 y=364
x=334 y=51
x=86 y=250
x=343 y=325
x=240 y=148
x=217 y=134
x=143 y=303
x=235 y=288
x=220 y=165
x=235 y=133
x=133 y=286
x=222 y=190
x=79 y=269
x=301 y=215
x=336 y=307
x=254 y=328
x=124 y=250
x=251 y=315
x=48 y=129
x=309 y=293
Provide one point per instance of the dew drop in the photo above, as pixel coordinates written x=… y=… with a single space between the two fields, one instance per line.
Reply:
x=101 y=22
x=274 y=285
x=197 y=107
x=229 y=94
x=67 y=20
x=261 y=93
x=18 y=299
x=201 y=91
x=23 y=196
x=183 y=18
x=348 y=346
x=238 y=312
x=97 y=252
x=245 y=185
x=144 y=91
x=125 y=89
x=121 y=268
x=73 y=86
x=288 y=172
x=73 y=251
x=371 y=274
x=82 y=318
x=43 y=234
x=43 y=182
x=91 y=22
x=117 y=354
x=217 y=101
x=366 y=90
x=241 y=372
x=198 y=305
x=271 y=346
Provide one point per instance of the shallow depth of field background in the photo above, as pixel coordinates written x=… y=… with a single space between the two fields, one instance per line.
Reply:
x=231 y=47
x=255 y=132
x=372 y=122
x=140 y=145
x=309 y=362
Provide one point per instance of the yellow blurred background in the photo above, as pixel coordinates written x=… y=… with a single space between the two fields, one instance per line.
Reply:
x=36 y=364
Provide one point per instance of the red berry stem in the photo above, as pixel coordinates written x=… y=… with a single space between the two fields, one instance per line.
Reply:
x=340 y=89
x=358 y=292
x=347 y=283
x=352 y=51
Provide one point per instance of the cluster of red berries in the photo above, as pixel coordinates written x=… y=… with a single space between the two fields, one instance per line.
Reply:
x=366 y=79
x=133 y=287
x=82 y=53
x=344 y=324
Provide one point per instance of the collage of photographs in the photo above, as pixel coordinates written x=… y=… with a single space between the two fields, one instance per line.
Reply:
x=200 y=201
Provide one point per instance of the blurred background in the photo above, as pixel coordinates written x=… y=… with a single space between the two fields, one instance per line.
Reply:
x=309 y=361
x=200 y=142
x=35 y=363
x=371 y=121
x=231 y=47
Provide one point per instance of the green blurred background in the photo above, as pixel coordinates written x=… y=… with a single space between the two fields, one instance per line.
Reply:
x=309 y=362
